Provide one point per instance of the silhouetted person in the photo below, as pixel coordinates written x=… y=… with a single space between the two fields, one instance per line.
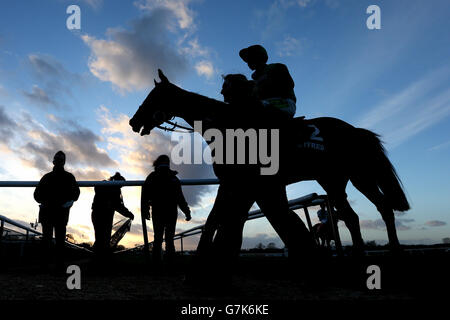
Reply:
x=107 y=200
x=324 y=230
x=236 y=88
x=273 y=84
x=240 y=187
x=56 y=192
x=162 y=191
x=322 y=214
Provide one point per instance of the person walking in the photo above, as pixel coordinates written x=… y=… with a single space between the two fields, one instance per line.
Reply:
x=162 y=191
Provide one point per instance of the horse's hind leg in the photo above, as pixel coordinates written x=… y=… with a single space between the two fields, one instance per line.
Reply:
x=338 y=197
x=371 y=191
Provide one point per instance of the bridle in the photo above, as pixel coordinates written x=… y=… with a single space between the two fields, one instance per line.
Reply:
x=174 y=126
x=164 y=117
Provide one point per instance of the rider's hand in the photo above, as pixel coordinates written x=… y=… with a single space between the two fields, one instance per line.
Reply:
x=188 y=214
x=131 y=216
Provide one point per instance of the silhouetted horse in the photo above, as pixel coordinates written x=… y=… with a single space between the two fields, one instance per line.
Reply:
x=324 y=233
x=334 y=153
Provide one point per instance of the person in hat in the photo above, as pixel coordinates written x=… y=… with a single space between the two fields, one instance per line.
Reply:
x=56 y=193
x=162 y=191
x=107 y=200
x=273 y=84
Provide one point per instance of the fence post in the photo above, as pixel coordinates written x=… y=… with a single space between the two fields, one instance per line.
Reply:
x=181 y=240
x=337 y=239
x=144 y=232
x=311 y=229
x=1 y=229
x=308 y=219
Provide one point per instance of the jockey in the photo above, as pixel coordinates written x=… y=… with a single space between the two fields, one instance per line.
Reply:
x=274 y=86
x=237 y=89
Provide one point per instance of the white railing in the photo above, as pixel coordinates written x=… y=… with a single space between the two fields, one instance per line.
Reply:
x=299 y=203
x=129 y=183
x=27 y=230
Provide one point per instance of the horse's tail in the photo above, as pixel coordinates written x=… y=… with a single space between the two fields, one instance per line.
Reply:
x=375 y=159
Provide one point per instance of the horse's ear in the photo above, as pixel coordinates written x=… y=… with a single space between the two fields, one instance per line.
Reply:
x=156 y=82
x=162 y=76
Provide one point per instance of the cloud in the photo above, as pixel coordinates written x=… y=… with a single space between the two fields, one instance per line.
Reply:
x=303 y=3
x=131 y=58
x=205 y=68
x=3 y=91
x=96 y=4
x=56 y=82
x=440 y=146
x=7 y=126
x=417 y=107
x=137 y=153
x=162 y=39
x=435 y=223
x=272 y=20
x=290 y=46
x=39 y=97
x=81 y=233
x=184 y=15
x=50 y=70
x=46 y=66
x=195 y=49
x=380 y=225
x=79 y=144
x=40 y=144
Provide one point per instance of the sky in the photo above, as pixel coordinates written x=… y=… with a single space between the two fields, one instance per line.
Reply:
x=75 y=90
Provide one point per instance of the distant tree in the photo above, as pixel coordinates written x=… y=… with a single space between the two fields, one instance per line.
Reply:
x=371 y=243
x=119 y=247
x=446 y=240
x=87 y=245
x=260 y=246
x=272 y=245
x=70 y=238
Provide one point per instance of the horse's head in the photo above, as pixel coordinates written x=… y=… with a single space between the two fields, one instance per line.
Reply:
x=152 y=111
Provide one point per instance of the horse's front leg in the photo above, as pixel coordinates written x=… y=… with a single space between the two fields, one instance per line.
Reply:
x=272 y=200
x=336 y=192
x=204 y=246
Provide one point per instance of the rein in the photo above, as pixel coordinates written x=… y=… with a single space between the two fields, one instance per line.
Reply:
x=174 y=126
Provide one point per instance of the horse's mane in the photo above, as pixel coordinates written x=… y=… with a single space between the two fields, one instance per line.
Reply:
x=202 y=99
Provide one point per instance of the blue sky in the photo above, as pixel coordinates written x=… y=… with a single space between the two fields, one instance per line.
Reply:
x=76 y=90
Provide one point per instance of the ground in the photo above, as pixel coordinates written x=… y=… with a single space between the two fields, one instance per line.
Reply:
x=129 y=276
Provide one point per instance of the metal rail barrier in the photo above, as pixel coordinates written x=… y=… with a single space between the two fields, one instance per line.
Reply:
x=299 y=203
x=27 y=230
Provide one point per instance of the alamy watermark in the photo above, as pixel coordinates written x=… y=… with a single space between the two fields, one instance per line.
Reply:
x=236 y=146
x=74 y=279
x=73 y=22
x=374 y=280
x=374 y=20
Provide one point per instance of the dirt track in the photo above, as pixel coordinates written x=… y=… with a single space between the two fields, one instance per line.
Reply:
x=265 y=279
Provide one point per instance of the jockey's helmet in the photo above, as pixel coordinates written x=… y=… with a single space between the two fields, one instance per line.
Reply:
x=255 y=53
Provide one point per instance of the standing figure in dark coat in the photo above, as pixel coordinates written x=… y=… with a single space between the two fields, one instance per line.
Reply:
x=107 y=200
x=162 y=191
x=56 y=192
